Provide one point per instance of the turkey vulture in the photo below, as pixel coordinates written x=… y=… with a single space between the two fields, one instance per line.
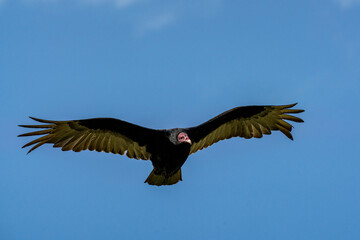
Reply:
x=167 y=149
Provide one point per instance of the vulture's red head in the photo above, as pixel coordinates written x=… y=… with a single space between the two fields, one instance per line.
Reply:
x=183 y=137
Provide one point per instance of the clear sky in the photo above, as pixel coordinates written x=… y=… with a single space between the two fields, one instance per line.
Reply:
x=165 y=64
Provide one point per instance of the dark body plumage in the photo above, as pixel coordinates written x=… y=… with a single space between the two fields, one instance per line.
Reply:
x=165 y=148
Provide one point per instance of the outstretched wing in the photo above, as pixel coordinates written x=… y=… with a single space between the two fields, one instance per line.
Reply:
x=100 y=134
x=246 y=122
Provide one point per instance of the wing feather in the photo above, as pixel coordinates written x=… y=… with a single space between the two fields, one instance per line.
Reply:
x=247 y=129
x=82 y=144
x=291 y=118
x=63 y=142
x=100 y=134
x=256 y=132
x=265 y=130
x=42 y=132
x=93 y=142
x=284 y=124
x=43 y=138
x=107 y=147
x=36 y=146
x=246 y=122
x=72 y=142
x=115 y=149
x=284 y=131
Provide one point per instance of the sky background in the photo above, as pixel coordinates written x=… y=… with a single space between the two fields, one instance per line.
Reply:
x=165 y=64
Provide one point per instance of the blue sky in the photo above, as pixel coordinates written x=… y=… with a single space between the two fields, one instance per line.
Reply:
x=165 y=64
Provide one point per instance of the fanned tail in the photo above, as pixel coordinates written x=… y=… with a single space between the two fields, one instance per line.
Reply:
x=159 y=179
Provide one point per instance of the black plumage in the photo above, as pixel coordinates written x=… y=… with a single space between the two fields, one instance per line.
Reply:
x=167 y=149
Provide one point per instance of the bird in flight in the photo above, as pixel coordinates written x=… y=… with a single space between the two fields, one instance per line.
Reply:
x=167 y=149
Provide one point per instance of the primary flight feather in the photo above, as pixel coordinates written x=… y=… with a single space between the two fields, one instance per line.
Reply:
x=167 y=149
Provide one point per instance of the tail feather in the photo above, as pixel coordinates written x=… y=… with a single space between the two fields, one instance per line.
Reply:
x=159 y=179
